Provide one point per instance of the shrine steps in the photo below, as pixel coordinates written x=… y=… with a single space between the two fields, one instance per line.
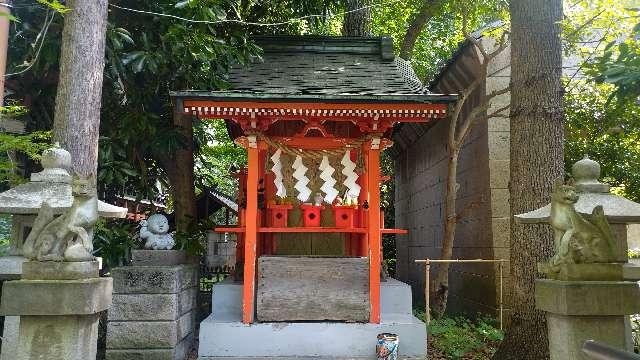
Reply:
x=224 y=336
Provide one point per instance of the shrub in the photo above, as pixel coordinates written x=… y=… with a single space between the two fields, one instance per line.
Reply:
x=113 y=240
x=457 y=337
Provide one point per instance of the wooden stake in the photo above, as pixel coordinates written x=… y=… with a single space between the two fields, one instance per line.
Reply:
x=428 y=263
x=427 y=306
x=501 y=306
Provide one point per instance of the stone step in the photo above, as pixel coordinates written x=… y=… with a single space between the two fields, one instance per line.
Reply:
x=395 y=298
x=219 y=339
x=224 y=336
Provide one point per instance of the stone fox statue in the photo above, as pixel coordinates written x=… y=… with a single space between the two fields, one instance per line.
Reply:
x=67 y=237
x=578 y=238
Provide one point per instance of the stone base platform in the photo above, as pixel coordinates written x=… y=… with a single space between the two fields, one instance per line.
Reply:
x=11 y=267
x=153 y=316
x=224 y=336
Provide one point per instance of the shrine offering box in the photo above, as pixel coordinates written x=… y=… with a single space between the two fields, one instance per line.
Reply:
x=345 y=216
x=311 y=215
x=278 y=215
x=301 y=288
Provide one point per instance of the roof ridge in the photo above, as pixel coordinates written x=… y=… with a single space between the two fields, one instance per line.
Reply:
x=379 y=45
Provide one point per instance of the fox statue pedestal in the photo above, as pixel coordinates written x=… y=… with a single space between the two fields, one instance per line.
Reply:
x=586 y=310
x=59 y=305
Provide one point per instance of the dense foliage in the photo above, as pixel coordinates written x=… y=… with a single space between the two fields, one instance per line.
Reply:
x=462 y=337
x=608 y=132
x=601 y=112
x=620 y=65
x=442 y=33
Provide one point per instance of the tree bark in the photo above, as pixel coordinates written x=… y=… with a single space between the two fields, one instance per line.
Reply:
x=357 y=22
x=426 y=12
x=441 y=280
x=536 y=160
x=179 y=168
x=77 y=115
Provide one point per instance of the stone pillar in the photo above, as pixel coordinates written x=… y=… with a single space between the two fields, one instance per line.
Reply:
x=580 y=310
x=59 y=305
x=154 y=307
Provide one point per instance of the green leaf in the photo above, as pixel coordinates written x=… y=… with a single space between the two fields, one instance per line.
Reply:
x=8 y=15
x=182 y=4
x=55 y=5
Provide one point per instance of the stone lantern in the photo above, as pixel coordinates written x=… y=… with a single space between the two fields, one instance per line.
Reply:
x=54 y=184
x=23 y=202
x=588 y=292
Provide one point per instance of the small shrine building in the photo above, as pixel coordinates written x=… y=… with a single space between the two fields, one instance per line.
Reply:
x=314 y=114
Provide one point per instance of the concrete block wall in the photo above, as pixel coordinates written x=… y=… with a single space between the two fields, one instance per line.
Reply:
x=483 y=175
x=153 y=315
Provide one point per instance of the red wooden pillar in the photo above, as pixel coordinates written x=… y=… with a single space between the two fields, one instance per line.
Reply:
x=251 y=235
x=373 y=229
x=363 y=240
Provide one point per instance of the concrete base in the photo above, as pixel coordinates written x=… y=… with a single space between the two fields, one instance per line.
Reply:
x=568 y=333
x=222 y=335
x=11 y=267
x=58 y=337
x=10 y=337
x=159 y=257
x=58 y=319
x=582 y=310
x=54 y=270
x=153 y=316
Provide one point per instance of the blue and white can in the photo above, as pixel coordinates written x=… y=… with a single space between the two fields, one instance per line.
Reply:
x=387 y=347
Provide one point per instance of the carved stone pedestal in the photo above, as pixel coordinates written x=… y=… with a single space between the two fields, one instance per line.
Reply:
x=154 y=307
x=59 y=306
x=586 y=310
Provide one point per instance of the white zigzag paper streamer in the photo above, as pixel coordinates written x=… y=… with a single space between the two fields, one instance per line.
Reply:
x=301 y=180
x=326 y=172
x=281 y=191
x=353 y=189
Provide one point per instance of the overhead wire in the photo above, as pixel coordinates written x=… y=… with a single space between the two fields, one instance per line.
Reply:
x=45 y=28
x=42 y=35
x=290 y=21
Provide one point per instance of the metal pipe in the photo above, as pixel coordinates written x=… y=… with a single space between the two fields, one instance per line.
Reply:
x=600 y=351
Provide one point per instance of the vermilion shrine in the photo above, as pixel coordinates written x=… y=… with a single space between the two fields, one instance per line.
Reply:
x=314 y=115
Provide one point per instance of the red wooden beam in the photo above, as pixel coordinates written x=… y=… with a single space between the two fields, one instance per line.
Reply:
x=314 y=106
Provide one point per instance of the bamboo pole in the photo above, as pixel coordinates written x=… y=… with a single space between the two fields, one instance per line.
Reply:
x=427 y=274
x=501 y=306
x=427 y=308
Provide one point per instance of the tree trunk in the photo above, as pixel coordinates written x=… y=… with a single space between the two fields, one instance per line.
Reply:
x=357 y=22
x=428 y=9
x=77 y=115
x=179 y=169
x=441 y=280
x=536 y=155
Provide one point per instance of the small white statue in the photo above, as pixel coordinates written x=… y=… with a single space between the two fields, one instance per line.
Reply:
x=155 y=231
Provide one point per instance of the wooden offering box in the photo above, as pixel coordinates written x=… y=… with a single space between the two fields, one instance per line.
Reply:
x=278 y=215
x=345 y=216
x=311 y=215
x=313 y=288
